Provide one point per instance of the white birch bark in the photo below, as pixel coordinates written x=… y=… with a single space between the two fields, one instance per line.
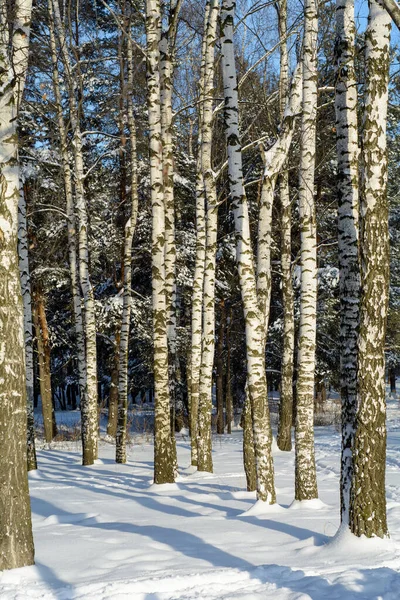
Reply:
x=130 y=227
x=16 y=543
x=198 y=278
x=348 y=208
x=392 y=7
x=163 y=450
x=256 y=378
x=284 y=437
x=305 y=472
x=204 y=440
x=89 y=406
x=197 y=313
x=367 y=495
x=167 y=51
x=28 y=336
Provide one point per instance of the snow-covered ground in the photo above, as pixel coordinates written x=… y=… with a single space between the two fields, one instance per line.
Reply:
x=105 y=533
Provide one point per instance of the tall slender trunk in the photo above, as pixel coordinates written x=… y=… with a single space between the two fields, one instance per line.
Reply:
x=163 y=449
x=167 y=51
x=130 y=227
x=89 y=403
x=113 y=397
x=305 y=471
x=256 y=378
x=284 y=437
x=367 y=494
x=249 y=457
x=228 y=382
x=348 y=208
x=71 y=220
x=44 y=361
x=16 y=542
x=28 y=337
x=219 y=359
x=207 y=179
x=197 y=312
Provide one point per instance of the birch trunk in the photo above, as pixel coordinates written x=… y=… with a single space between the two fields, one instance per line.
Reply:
x=198 y=278
x=249 y=457
x=89 y=403
x=284 y=437
x=71 y=220
x=28 y=336
x=348 y=207
x=167 y=51
x=16 y=542
x=367 y=495
x=163 y=449
x=393 y=9
x=130 y=227
x=305 y=472
x=207 y=179
x=256 y=379
x=197 y=312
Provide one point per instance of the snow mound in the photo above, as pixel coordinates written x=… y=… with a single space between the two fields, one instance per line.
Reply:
x=163 y=487
x=314 y=504
x=261 y=508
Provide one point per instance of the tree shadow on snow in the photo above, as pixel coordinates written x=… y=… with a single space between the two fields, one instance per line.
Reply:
x=363 y=584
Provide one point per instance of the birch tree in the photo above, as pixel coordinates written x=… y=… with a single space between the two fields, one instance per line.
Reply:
x=348 y=208
x=204 y=440
x=89 y=402
x=305 y=472
x=130 y=227
x=367 y=495
x=167 y=53
x=284 y=437
x=163 y=447
x=254 y=323
x=28 y=335
x=16 y=542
